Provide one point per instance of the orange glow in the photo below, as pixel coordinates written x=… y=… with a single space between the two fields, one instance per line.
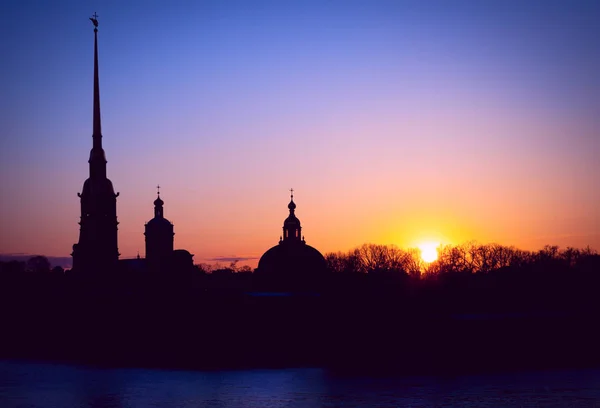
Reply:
x=429 y=251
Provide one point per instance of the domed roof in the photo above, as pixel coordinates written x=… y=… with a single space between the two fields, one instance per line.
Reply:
x=291 y=219
x=182 y=252
x=182 y=259
x=159 y=222
x=293 y=258
x=100 y=186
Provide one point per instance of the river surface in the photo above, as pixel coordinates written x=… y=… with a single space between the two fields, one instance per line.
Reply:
x=24 y=384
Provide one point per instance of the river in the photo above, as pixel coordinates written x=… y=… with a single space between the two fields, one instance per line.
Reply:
x=27 y=384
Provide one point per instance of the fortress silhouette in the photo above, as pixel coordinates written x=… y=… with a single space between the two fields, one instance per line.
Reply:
x=481 y=308
x=290 y=264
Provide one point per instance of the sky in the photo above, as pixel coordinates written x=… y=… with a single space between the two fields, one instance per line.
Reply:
x=396 y=122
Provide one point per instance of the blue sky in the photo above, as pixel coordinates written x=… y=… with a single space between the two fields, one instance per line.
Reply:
x=395 y=121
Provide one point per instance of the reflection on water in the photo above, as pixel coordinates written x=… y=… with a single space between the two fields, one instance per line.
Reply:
x=46 y=385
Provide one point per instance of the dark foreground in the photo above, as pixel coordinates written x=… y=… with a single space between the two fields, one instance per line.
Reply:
x=237 y=330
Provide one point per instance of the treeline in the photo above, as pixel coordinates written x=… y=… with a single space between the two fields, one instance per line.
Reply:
x=471 y=277
x=377 y=259
x=389 y=260
x=467 y=258
x=37 y=264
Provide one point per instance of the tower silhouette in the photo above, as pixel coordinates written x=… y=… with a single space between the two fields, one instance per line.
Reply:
x=159 y=238
x=97 y=249
x=291 y=226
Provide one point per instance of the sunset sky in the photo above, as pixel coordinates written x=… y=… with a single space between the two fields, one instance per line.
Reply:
x=395 y=122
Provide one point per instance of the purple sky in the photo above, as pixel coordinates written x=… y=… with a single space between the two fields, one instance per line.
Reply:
x=395 y=122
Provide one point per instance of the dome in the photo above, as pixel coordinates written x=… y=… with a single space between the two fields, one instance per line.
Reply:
x=158 y=222
x=294 y=258
x=182 y=260
x=291 y=219
x=291 y=267
x=292 y=205
x=159 y=217
x=97 y=187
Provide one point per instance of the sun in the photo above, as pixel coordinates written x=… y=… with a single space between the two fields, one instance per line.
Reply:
x=429 y=251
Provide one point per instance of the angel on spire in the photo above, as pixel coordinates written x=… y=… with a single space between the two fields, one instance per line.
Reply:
x=94 y=19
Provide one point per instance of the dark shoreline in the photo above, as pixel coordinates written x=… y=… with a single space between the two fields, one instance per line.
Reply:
x=231 y=330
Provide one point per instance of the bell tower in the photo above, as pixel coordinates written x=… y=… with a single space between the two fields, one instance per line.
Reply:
x=97 y=249
x=159 y=238
x=291 y=226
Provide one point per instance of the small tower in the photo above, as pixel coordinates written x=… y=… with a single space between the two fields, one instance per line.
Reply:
x=159 y=237
x=291 y=226
x=97 y=249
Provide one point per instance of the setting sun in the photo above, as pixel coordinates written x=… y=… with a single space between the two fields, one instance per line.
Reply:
x=429 y=251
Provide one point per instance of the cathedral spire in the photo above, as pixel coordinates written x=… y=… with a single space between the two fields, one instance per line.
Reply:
x=97 y=248
x=97 y=135
x=97 y=158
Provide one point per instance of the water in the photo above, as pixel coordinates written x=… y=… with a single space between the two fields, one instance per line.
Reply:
x=47 y=385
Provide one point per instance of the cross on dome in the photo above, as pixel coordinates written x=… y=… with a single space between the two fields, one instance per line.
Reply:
x=158 y=202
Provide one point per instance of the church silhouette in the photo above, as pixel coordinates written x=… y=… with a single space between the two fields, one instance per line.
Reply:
x=97 y=251
x=292 y=264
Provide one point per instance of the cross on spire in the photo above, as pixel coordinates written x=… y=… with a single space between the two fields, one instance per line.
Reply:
x=292 y=192
x=97 y=157
x=158 y=189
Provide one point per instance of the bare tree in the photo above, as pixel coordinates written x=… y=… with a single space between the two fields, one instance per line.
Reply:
x=38 y=264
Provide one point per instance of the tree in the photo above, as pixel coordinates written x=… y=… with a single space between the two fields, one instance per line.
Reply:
x=58 y=270
x=38 y=264
x=245 y=269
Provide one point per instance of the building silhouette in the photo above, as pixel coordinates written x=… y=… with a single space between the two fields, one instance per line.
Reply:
x=159 y=238
x=97 y=249
x=181 y=262
x=292 y=264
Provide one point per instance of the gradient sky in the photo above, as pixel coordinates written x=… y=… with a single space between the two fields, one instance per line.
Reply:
x=394 y=121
